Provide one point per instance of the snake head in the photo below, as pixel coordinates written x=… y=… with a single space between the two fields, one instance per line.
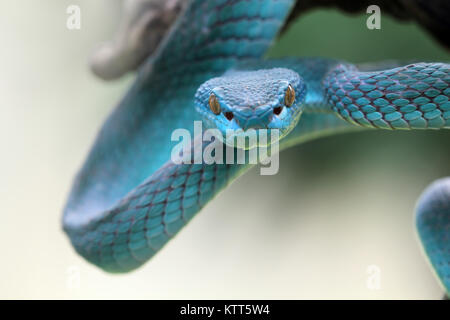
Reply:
x=240 y=101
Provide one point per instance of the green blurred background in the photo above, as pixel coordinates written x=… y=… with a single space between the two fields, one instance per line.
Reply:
x=337 y=206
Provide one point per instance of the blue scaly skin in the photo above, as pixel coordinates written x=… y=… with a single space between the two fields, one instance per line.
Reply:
x=129 y=198
x=409 y=97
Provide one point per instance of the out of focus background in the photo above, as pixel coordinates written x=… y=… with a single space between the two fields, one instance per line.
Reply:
x=338 y=213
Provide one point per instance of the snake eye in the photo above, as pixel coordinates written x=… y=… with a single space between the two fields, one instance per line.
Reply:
x=214 y=104
x=289 y=97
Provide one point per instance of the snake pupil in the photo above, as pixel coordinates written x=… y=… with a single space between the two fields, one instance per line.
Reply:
x=214 y=104
x=289 y=96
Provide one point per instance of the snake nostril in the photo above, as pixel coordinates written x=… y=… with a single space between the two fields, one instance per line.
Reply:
x=277 y=110
x=229 y=115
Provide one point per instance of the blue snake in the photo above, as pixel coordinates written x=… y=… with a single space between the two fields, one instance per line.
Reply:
x=130 y=197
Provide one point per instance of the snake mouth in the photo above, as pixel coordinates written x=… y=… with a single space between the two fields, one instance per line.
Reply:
x=251 y=138
x=256 y=121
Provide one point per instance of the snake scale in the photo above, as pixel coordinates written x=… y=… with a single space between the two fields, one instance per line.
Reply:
x=130 y=198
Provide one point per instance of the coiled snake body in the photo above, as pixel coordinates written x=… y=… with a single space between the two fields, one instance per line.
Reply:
x=129 y=198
